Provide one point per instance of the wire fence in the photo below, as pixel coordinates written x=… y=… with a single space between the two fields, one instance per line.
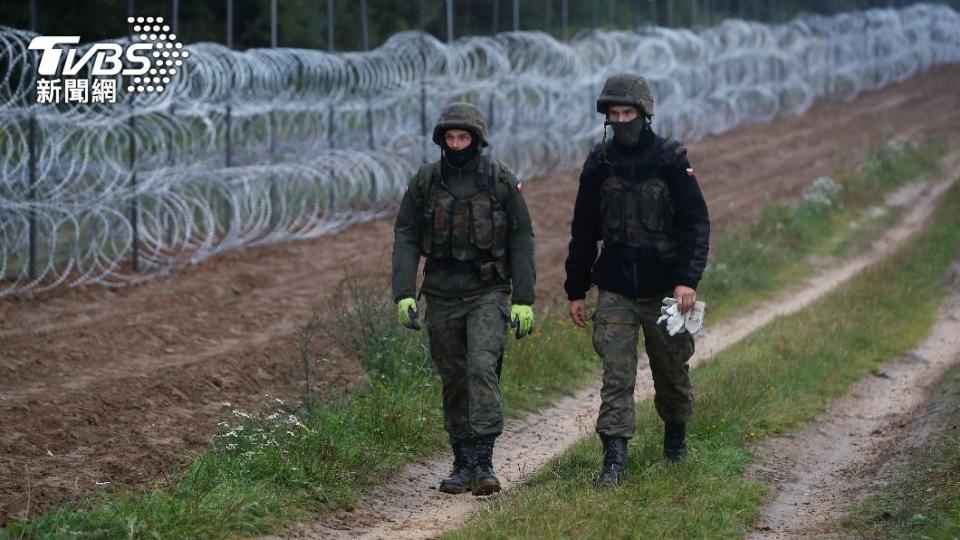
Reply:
x=270 y=145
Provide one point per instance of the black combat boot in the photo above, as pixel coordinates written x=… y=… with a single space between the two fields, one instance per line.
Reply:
x=675 y=442
x=614 y=461
x=461 y=477
x=484 y=481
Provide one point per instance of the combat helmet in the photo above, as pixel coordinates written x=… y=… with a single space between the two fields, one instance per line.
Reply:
x=626 y=89
x=461 y=115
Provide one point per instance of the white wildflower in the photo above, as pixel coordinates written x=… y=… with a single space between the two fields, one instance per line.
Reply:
x=822 y=193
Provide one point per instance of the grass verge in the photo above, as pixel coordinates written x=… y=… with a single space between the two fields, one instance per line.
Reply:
x=785 y=242
x=288 y=461
x=923 y=500
x=771 y=382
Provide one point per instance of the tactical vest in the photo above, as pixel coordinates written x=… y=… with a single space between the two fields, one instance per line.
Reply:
x=637 y=217
x=465 y=233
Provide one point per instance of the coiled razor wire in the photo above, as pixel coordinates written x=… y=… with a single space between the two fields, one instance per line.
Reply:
x=272 y=145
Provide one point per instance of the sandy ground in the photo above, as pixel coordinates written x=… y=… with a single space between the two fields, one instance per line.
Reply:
x=836 y=461
x=406 y=507
x=120 y=386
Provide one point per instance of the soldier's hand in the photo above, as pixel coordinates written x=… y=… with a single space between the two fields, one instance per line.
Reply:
x=407 y=313
x=685 y=297
x=521 y=318
x=578 y=313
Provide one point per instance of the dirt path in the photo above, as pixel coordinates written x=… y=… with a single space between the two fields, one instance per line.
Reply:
x=117 y=386
x=407 y=508
x=832 y=463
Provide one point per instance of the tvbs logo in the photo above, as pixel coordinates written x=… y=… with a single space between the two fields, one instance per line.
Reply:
x=149 y=62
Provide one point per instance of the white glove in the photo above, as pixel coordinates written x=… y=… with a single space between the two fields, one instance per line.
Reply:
x=693 y=322
x=670 y=312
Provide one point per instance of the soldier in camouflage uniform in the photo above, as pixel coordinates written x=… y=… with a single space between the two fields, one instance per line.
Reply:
x=466 y=216
x=637 y=194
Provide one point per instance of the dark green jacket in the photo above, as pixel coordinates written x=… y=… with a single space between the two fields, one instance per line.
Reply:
x=462 y=182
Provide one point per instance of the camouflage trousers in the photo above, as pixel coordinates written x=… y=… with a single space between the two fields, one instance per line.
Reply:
x=466 y=342
x=616 y=328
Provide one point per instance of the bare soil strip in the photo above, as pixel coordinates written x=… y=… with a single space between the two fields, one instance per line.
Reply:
x=407 y=507
x=835 y=461
x=121 y=386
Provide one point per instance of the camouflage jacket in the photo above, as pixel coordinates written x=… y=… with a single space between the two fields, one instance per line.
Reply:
x=440 y=280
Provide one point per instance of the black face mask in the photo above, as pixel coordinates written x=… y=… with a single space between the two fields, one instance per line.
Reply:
x=459 y=158
x=629 y=133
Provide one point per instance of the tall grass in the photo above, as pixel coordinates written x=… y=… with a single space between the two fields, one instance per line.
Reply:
x=755 y=260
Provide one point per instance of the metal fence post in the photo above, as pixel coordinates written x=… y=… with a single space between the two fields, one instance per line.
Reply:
x=134 y=208
x=133 y=186
x=32 y=194
x=330 y=26
x=271 y=127
x=449 y=21
x=365 y=36
x=550 y=17
x=495 y=16
x=228 y=119
x=230 y=24
x=273 y=24
x=175 y=17
x=364 y=27
x=564 y=18
x=516 y=15
x=331 y=129
x=32 y=159
x=423 y=115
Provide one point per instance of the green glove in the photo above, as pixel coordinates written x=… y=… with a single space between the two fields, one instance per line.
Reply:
x=407 y=313
x=521 y=318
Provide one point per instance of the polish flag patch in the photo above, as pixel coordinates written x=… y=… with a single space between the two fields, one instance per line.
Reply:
x=520 y=187
x=689 y=171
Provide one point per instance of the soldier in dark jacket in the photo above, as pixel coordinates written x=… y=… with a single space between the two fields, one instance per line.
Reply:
x=637 y=194
x=466 y=216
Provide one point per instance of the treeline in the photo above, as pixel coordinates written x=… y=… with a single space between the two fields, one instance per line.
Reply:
x=305 y=23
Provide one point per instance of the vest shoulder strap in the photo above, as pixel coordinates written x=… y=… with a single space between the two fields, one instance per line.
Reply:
x=671 y=152
x=426 y=176
x=499 y=179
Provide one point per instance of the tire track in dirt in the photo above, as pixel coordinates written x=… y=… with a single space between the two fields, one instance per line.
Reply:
x=831 y=464
x=406 y=508
x=119 y=384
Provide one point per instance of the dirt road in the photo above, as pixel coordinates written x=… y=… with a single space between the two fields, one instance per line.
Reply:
x=833 y=463
x=396 y=511
x=118 y=386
